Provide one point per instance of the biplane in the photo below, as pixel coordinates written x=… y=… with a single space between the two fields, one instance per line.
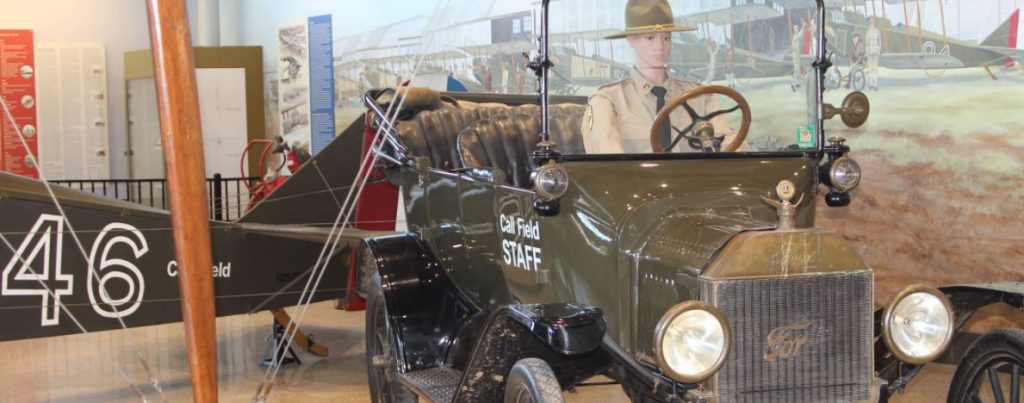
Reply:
x=761 y=34
x=76 y=262
x=53 y=272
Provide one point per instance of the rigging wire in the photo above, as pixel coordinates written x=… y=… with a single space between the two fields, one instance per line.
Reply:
x=89 y=264
x=231 y=227
x=376 y=148
x=320 y=267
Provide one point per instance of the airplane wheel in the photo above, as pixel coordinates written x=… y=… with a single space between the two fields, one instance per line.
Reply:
x=381 y=362
x=991 y=370
x=858 y=79
x=531 y=380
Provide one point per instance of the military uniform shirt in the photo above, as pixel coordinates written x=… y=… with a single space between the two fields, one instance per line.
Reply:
x=619 y=116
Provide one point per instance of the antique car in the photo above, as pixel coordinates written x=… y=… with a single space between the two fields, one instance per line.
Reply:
x=530 y=266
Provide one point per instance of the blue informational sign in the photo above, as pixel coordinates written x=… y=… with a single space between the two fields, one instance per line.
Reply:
x=321 y=82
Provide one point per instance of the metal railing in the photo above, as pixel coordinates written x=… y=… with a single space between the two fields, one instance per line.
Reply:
x=229 y=197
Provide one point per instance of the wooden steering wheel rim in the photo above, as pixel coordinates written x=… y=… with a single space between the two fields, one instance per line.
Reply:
x=693 y=93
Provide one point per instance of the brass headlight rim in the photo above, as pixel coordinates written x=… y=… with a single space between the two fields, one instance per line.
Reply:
x=832 y=173
x=887 y=320
x=662 y=327
x=541 y=193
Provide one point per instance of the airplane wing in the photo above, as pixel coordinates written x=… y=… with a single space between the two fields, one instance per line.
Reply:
x=902 y=61
x=790 y=4
x=747 y=68
x=725 y=16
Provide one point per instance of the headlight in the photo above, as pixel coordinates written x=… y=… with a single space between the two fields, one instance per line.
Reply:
x=844 y=174
x=918 y=324
x=691 y=341
x=550 y=181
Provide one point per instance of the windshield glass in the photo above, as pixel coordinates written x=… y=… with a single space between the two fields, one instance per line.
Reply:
x=758 y=52
x=630 y=59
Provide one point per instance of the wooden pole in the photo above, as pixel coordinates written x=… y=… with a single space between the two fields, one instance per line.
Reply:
x=180 y=131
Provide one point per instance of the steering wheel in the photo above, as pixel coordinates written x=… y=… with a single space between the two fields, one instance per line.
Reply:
x=704 y=138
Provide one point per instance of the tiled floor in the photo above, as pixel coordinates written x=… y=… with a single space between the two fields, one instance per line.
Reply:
x=81 y=368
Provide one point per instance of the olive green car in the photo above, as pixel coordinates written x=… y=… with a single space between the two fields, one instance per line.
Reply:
x=529 y=266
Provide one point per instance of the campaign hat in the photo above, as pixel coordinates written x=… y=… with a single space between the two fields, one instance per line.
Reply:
x=649 y=16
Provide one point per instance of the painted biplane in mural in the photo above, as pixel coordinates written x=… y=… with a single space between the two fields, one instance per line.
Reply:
x=910 y=46
x=763 y=35
x=906 y=47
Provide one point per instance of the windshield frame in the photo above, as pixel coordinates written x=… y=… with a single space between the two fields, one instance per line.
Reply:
x=805 y=154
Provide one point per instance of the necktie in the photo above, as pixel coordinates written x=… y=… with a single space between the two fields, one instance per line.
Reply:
x=665 y=133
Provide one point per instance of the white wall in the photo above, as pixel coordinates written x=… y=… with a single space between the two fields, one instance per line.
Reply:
x=120 y=25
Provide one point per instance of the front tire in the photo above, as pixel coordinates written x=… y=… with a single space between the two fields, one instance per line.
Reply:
x=532 y=380
x=981 y=376
x=381 y=359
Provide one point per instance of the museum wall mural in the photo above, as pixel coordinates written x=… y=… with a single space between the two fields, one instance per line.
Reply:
x=942 y=154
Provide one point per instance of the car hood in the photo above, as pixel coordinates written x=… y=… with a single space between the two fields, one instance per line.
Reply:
x=652 y=227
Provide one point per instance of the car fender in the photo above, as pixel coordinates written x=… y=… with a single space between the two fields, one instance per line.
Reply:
x=424 y=307
x=966 y=300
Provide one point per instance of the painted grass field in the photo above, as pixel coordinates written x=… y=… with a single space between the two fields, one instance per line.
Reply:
x=942 y=195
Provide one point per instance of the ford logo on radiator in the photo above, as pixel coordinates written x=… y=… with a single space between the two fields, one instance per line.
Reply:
x=786 y=341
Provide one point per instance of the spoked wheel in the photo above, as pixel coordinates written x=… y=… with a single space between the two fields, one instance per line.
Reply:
x=858 y=79
x=991 y=370
x=381 y=358
x=532 y=381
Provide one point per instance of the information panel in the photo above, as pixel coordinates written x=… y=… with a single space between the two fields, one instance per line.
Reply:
x=306 y=83
x=18 y=89
x=72 y=86
x=321 y=81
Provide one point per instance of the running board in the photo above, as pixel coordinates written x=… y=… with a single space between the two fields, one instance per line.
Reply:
x=434 y=384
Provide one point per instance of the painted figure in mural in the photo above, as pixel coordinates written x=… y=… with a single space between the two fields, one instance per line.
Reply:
x=488 y=78
x=810 y=40
x=857 y=52
x=730 y=64
x=712 y=59
x=478 y=71
x=503 y=63
x=619 y=115
x=369 y=78
x=873 y=49
x=795 y=48
x=856 y=57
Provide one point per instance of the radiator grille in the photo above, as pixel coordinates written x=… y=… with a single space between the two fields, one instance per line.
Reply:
x=821 y=346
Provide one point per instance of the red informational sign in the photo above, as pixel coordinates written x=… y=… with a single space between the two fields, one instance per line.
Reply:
x=18 y=89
